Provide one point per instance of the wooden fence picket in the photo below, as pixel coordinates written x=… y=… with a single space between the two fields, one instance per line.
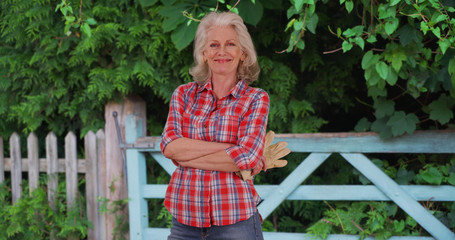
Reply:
x=91 y=176
x=16 y=164
x=71 y=168
x=52 y=167
x=92 y=166
x=33 y=162
x=2 y=161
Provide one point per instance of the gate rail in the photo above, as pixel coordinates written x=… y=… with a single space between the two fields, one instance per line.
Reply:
x=351 y=146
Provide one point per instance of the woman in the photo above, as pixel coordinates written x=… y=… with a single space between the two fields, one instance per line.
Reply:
x=216 y=128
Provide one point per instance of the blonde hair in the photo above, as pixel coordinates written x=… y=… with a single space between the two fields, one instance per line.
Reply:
x=248 y=70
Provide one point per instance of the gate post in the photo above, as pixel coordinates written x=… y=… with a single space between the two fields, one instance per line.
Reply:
x=115 y=179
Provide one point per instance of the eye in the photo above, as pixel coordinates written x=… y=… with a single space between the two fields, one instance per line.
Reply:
x=213 y=45
x=231 y=44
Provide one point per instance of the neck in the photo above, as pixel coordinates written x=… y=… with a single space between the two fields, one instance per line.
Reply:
x=223 y=84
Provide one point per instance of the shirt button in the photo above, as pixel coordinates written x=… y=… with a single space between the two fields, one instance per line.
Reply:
x=206 y=125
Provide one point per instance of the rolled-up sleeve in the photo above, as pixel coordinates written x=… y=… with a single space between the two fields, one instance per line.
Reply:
x=250 y=144
x=173 y=128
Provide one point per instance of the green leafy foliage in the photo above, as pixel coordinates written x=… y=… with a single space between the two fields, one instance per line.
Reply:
x=31 y=217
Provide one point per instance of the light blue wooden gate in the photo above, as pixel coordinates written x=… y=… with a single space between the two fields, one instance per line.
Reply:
x=351 y=147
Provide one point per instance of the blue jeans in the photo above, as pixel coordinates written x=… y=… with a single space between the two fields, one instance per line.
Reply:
x=249 y=229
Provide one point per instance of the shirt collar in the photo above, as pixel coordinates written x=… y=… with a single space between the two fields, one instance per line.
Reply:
x=237 y=91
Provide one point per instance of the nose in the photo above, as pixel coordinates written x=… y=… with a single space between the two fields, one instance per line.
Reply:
x=221 y=51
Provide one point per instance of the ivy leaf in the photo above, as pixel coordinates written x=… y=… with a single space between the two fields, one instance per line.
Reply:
x=362 y=125
x=401 y=123
x=384 y=107
x=451 y=178
x=380 y=125
x=432 y=176
x=382 y=69
x=404 y=176
x=440 y=110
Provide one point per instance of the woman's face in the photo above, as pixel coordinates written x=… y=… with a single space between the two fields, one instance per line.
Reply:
x=222 y=51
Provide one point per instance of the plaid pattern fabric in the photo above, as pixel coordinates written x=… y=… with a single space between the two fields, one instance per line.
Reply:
x=202 y=198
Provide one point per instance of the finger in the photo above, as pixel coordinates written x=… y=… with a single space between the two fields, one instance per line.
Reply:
x=281 y=153
x=280 y=163
x=269 y=138
x=246 y=175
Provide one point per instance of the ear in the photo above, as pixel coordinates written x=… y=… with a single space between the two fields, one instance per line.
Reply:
x=243 y=57
x=204 y=57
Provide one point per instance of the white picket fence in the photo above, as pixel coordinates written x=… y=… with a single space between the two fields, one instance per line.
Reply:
x=91 y=166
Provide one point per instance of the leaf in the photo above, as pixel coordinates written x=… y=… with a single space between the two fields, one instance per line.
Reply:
x=444 y=44
x=360 y=42
x=184 y=35
x=394 y=2
x=380 y=125
x=404 y=177
x=298 y=4
x=401 y=123
x=90 y=21
x=384 y=107
x=372 y=39
x=392 y=77
x=451 y=178
x=382 y=69
x=436 y=31
x=386 y=12
x=86 y=29
x=355 y=31
x=369 y=59
x=298 y=25
x=349 y=5
x=432 y=176
x=147 y=3
x=409 y=34
x=250 y=12
x=391 y=25
x=312 y=23
x=346 y=46
x=362 y=125
x=399 y=225
x=440 y=110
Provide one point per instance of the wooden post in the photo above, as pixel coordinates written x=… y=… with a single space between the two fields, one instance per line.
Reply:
x=33 y=162
x=16 y=166
x=115 y=179
x=2 y=161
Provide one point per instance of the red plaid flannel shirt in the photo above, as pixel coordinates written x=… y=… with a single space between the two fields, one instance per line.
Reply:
x=203 y=198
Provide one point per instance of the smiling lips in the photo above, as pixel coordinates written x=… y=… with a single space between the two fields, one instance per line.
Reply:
x=222 y=60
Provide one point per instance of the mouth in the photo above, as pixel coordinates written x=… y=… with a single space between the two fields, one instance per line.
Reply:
x=222 y=60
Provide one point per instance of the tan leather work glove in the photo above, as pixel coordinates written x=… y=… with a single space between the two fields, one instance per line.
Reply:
x=272 y=155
